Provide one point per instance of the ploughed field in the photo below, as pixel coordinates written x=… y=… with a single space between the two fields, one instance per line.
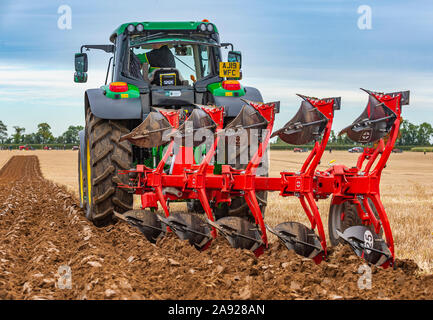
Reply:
x=43 y=229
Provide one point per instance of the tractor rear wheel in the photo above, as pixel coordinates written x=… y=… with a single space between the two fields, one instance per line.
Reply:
x=238 y=206
x=105 y=156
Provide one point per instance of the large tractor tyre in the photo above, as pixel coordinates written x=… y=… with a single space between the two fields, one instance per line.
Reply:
x=338 y=221
x=239 y=206
x=105 y=157
x=194 y=206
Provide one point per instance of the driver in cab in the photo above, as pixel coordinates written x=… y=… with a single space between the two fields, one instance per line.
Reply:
x=144 y=64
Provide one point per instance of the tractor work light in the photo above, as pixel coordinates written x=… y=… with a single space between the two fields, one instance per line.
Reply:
x=202 y=27
x=118 y=87
x=210 y=27
x=139 y=27
x=131 y=28
x=231 y=85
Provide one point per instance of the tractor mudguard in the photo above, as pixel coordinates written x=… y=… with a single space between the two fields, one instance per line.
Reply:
x=233 y=105
x=107 y=108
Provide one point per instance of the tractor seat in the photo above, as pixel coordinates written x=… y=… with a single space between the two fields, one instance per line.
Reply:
x=166 y=77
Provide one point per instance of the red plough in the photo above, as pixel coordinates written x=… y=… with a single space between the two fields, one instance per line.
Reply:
x=357 y=215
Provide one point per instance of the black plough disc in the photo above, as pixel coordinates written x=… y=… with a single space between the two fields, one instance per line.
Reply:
x=366 y=244
x=299 y=238
x=189 y=226
x=239 y=232
x=147 y=222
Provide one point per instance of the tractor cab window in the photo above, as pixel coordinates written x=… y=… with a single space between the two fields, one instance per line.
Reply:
x=205 y=53
x=170 y=64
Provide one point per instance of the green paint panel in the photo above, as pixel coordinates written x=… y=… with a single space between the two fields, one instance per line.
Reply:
x=186 y=40
x=173 y=25
x=199 y=153
x=132 y=92
x=217 y=169
x=217 y=90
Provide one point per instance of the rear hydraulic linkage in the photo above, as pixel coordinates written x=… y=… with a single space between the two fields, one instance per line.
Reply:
x=353 y=189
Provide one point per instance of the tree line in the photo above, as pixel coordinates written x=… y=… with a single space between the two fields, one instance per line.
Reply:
x=415 y=135
x=410 y=135
x=42 y=136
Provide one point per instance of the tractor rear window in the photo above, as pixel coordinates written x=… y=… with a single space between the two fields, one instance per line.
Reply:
x=187 y=61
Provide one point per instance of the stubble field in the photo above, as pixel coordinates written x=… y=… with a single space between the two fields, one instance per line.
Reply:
x=63 y=236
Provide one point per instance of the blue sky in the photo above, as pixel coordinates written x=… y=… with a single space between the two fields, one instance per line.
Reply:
x=311 y=47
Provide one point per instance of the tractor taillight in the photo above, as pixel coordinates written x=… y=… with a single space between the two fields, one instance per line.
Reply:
x=118 y=87
x=231 y=85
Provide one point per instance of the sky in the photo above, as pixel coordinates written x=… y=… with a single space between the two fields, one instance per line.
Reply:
x=311 y=47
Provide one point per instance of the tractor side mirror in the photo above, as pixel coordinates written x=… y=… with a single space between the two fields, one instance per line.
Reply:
x=81 y=66
x=235 y=56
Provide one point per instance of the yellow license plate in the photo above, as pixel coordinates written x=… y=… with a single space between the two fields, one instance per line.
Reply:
x=230 y=69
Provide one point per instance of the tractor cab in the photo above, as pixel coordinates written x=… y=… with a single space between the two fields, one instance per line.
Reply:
x=167 y=64
x=171 y=67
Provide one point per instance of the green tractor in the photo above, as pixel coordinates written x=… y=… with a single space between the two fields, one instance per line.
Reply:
x=170 y=65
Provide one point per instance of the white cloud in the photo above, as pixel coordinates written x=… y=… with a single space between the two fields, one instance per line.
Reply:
x=345 y=83
x=23 y=84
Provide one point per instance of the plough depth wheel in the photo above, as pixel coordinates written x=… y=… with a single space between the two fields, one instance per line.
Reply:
x=345 y=215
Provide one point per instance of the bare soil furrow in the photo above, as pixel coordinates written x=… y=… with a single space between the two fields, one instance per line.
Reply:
x=42 y=229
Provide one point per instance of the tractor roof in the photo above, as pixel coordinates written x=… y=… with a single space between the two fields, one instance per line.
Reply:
x=173 y=25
